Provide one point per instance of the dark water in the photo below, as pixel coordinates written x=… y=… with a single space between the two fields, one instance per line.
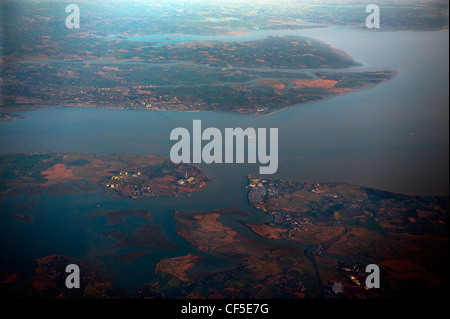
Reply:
x=392 y=137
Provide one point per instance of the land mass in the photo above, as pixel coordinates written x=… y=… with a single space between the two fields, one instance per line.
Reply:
x=404 y=235
x=8 y=117
x=116 y=217
x=260 y=271
x=144 y=236
x=49 y=279
x=123 y=175
x=317 y=246
x=153 y=57
x=253 y=77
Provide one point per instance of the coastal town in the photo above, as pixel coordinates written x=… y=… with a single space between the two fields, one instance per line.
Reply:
x=296 y=205
x=360 y=224
x=262 y=189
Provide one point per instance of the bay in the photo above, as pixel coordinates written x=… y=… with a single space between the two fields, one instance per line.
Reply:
x=393 y=137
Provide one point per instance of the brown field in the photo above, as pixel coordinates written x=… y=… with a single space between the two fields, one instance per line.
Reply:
x=267 y=231
x=58 y=172
x=179 y=267
x=273 y=83
x=206 y=233
x=110 y=68
x=321 y=83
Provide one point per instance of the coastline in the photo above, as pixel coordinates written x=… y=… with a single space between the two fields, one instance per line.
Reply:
x=261 y=114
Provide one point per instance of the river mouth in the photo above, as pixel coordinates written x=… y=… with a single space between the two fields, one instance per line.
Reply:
x=391 y=137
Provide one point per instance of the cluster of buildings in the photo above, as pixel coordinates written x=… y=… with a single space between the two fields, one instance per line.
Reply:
x=261 y=189
x=122 y=176
x=136 y=184
x=353 y=287
x=187 y=180
x=133 y=184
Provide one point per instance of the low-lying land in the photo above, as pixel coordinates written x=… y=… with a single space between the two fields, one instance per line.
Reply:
x=124 y=175
x=317 y=246
x=256 y=77
x=405 y=235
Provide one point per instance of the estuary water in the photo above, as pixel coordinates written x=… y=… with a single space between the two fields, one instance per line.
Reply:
x=393 y=136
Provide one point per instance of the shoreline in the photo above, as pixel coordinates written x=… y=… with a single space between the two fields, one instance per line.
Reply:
x=20 y=108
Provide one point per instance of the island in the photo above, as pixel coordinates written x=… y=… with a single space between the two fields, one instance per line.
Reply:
x=317 y=244
x=252 y=269
x=146 y=235
x=122 y=175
